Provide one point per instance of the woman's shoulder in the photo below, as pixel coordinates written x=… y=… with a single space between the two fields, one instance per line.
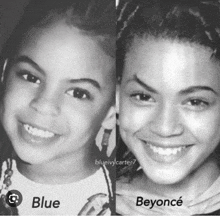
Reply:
x=127 y=184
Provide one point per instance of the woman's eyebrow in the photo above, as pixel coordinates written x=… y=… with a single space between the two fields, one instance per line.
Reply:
x=193 y=89
x=28 y=60
x=87 y=80
x=143 y=84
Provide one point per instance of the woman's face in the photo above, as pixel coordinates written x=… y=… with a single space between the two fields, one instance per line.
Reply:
x=170 y=107
x=59 y=89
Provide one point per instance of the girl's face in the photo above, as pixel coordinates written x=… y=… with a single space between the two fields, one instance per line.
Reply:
x=170 y=107
x=59 y=89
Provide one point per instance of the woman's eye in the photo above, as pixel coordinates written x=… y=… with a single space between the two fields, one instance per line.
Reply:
x=30 y=78
x=198 y=104
x=142 y=97
x=79 y=93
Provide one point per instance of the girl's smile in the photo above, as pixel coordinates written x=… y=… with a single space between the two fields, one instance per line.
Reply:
x=58 y=94
x=169 y=107
x=37 y=135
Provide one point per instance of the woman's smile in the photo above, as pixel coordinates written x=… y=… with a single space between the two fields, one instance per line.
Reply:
x=169 y=107
x=166 y=153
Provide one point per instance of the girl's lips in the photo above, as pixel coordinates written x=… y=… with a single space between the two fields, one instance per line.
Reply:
x=41 y=128
x=166 y=153
x=36 y=136
x=38 y=132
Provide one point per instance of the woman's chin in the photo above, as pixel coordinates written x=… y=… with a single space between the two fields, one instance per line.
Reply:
x=165 y=178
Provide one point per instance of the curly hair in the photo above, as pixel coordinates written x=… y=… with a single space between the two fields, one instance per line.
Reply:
x=194 y=21
x=92 y=17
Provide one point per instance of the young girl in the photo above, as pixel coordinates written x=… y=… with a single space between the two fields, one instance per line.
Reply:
x=169 y=113
x=58 y=86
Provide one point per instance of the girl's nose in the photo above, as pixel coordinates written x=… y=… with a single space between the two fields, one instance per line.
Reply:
x=167 y=122
x=46 y=105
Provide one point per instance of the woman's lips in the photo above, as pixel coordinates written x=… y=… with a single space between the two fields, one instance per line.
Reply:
x=166 y=153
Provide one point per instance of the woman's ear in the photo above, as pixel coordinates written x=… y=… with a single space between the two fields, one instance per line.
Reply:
x=110 y=119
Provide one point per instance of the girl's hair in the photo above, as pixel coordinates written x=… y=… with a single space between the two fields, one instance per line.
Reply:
x=92 y=17
x=193 y=21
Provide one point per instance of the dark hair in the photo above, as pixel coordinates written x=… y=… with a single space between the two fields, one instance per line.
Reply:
x=195 y=21
x=92 y=17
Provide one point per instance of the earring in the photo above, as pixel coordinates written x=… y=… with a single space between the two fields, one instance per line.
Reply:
x=105 y=140
x=4 y=70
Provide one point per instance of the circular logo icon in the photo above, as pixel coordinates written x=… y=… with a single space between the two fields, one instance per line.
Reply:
x=14 y=198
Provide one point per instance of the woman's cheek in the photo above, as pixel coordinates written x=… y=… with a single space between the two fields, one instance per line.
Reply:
x=205 y=126
x=133 y=118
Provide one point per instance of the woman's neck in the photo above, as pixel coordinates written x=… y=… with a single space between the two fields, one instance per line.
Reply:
x=70 y=168
x=189 y=188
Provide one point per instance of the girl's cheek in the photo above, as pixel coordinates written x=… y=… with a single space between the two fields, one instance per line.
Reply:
x=16 y=94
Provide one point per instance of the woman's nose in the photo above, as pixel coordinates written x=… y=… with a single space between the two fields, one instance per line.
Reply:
x=167 y=122
x=46 y=104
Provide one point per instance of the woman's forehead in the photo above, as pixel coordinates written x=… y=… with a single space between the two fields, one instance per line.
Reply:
x=171 y=61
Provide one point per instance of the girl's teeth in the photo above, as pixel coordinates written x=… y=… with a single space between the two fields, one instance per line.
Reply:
x=37 y=132
x=167 y=151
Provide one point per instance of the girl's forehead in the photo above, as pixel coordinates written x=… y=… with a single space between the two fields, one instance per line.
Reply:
x=64 y=48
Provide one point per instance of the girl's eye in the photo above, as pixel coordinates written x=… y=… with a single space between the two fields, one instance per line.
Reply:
x=142 y=97
x=79 y=93
x=198 y=104
x=30 y=78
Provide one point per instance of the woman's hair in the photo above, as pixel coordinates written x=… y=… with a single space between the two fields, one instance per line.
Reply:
x=193 y=21
x=196 y=21
x=92 y=17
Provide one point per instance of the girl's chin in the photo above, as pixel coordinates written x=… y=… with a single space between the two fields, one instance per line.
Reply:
x=28 y=157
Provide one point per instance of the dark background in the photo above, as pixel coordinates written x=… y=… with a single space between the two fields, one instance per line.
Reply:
x=10 y=12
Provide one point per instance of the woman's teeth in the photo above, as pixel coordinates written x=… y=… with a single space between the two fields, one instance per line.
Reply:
x=37 y=132
x=166 y=151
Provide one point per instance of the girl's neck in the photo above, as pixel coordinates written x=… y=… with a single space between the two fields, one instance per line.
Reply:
x=71 y=168
x=189 y=188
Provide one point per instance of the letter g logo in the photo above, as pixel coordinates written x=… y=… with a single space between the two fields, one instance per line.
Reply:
x=13 y=198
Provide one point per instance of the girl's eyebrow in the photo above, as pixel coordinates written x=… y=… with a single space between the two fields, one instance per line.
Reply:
x=26 y=59
x=87 y=80
x=143 y=84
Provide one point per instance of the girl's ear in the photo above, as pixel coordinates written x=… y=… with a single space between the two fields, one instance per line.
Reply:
x=3 y=71
x=110 y=119
x=117 y=98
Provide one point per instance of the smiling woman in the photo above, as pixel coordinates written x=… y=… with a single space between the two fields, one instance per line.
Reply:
x=58 y=91
x=169 y=106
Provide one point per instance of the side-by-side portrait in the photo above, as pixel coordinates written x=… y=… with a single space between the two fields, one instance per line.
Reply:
x=110 y=108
